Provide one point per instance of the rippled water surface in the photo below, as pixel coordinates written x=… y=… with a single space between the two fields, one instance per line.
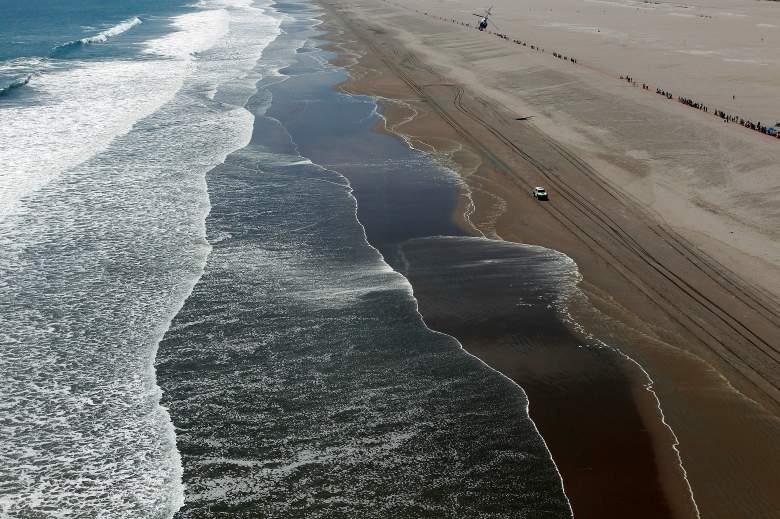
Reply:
x=301 y=379
x=102 y=209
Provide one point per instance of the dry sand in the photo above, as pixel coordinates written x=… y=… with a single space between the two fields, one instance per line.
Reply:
x=670 y=213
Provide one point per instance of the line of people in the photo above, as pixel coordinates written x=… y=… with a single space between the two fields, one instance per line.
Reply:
x=730 y=118
x=564 y=58
x=501 y=35
x=693 y=104
x=773 y=131
x=526 y=44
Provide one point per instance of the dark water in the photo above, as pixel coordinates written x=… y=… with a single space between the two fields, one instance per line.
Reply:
x=503 y=301
x=299 y=375
x=401 y=194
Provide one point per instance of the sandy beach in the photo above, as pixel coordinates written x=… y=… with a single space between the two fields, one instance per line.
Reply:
x=669 y=212
x=284 y=259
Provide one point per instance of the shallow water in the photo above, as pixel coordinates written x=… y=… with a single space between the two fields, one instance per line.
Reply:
x=504 y=302
x=300 y=377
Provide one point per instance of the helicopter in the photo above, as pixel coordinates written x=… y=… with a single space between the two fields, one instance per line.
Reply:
x=483 y=22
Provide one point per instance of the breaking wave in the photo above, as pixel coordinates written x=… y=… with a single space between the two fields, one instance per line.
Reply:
x=14 y=85
x=117 y=177
x=101 y=37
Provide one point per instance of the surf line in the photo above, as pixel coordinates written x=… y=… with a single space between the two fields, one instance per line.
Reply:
x=100 y=37
x=410 y=288
x=649 y=387
x=14 y=85
x=468 y=212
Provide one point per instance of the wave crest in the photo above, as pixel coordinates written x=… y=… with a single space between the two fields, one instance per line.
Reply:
x=100 y=37
x=14 y=85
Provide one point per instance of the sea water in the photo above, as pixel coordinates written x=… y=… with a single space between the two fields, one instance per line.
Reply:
x=192 y=318
x=302 y=379
x=110 y=116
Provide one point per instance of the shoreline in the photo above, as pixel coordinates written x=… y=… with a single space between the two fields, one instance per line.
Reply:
x=298 y=373
x=652 y=347
x=673 y=495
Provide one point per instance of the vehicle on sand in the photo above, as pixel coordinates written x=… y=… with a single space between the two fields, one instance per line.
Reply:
x=540 y=193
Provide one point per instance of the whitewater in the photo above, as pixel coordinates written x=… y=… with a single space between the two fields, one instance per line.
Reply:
x=103 y=36
x=102 y=237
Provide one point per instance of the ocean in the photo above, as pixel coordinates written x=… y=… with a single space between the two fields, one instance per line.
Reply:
x=103 y=199
x=204 y=308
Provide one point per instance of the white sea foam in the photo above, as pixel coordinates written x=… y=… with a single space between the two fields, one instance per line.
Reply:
x=195 y=32
x=18 y=83
x=86 y=106
x=573 y=296
x=101 y=37
x=113 y=31
x=102 y=237
x=25 y=64
x=401 y=282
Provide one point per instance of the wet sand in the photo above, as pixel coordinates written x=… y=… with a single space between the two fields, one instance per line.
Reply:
x=299 y=375
x=499 y=300
x=706 y=336
x=590 y=403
